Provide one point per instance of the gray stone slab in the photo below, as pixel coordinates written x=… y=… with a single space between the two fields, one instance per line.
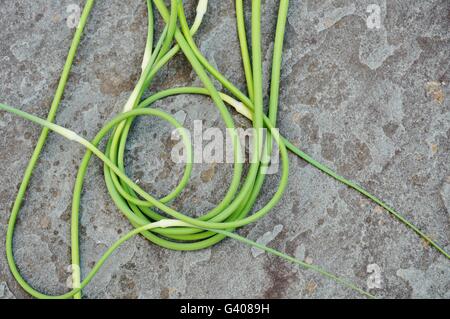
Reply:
x=372 y=103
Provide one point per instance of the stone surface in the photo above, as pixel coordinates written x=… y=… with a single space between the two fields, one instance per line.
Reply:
x=372 y=103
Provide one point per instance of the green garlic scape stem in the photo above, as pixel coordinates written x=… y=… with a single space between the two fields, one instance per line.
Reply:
x=182 y=232
x=162 y=223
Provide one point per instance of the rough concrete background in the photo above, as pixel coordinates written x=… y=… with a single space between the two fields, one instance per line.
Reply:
x=371 y=103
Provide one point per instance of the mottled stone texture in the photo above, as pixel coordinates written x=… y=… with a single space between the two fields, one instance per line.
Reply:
x=371 y=103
